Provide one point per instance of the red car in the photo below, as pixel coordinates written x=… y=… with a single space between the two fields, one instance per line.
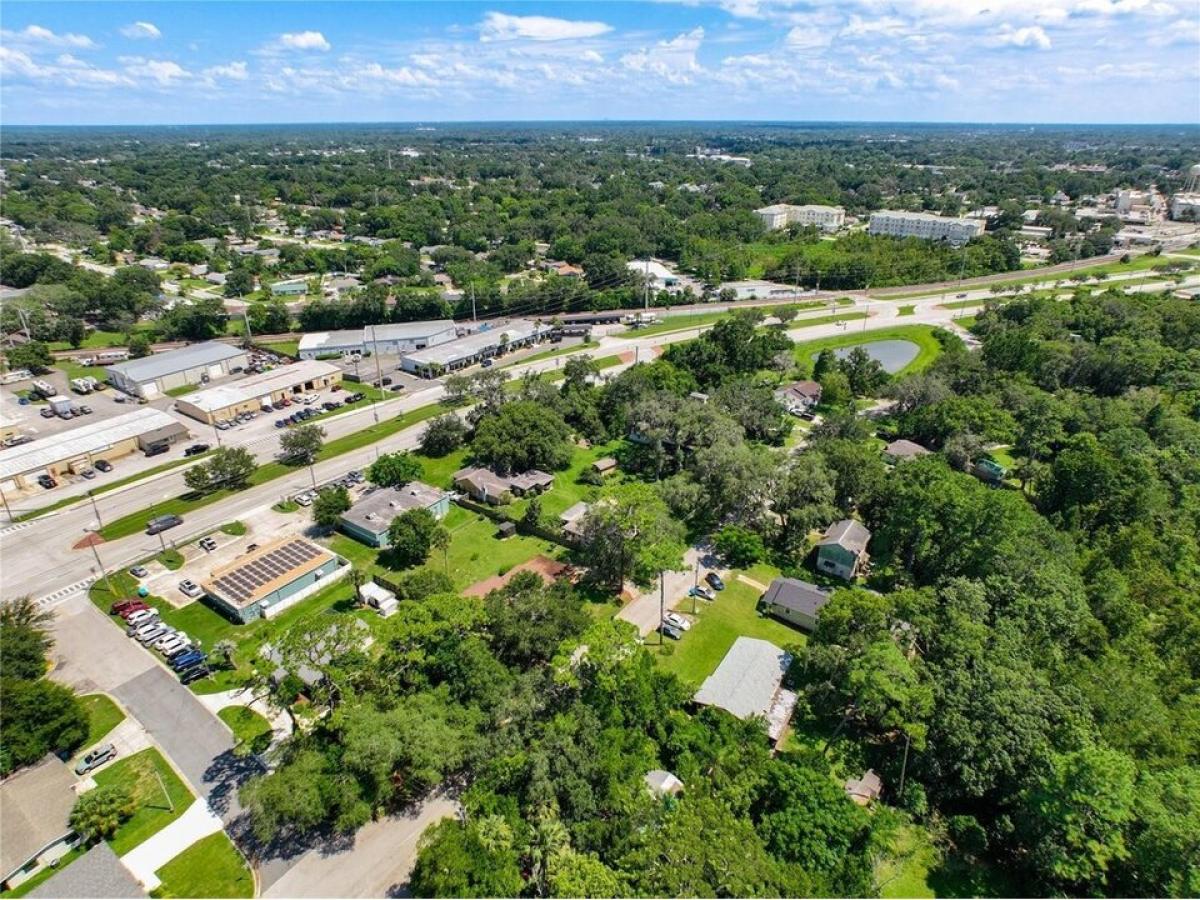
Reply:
x=133 y=607
x=121 y=605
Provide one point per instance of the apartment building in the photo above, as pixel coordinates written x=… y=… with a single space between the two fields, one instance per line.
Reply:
x=927 y=226
x=781 y=215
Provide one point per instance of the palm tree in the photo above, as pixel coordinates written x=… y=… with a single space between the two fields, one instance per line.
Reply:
x=440 y=540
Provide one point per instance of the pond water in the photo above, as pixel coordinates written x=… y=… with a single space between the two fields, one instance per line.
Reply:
x=892 y=355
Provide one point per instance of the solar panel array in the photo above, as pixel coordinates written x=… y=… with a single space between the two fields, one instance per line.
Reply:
x=243 y=582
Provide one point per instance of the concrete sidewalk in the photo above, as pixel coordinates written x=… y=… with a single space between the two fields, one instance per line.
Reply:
x=197 y=822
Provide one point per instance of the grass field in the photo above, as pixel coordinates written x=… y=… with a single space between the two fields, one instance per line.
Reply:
x=182 y=390
x=103 y=717
x=155 y=810
x=180 y=506
x=211 y=867
x=287 y=348
x=921 y=335
x=253 y=732
x=172 y=559
x=718 y=624
x=556 y=351
x=907 y=310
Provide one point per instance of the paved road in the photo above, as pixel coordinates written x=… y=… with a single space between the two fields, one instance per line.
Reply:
x=376 y=864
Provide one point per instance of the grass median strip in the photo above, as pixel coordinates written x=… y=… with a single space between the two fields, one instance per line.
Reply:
x=180 y=506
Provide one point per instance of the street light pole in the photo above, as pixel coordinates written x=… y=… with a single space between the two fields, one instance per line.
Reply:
x=6 y=509
x=95 y=508
x=662 y=605
x=103 y=572
x=378 y=376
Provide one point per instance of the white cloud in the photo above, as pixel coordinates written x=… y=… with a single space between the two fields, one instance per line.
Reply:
x=136 y=31
x=36 y=34
x=163 y=72
x=674 y=61
x=303 y=41
x=1032 y=37
x=503 y=27
x=66 y=71
x=805 y=37
x=234 y=71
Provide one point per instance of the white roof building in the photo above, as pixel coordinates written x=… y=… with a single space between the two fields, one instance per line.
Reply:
x=473 y=348
x=781 y=215
x=258 y=387
x=748 y=684
x=927 y=226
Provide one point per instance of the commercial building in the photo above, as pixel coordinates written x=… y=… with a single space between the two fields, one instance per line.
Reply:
x=927 y=226
x=248 y=395
x=796 y=602
x=1185 y=207
x=273 y=578
x=35 y=829
x=781 y=215
x=330 y=343
x=659 y=276
x=474 y=348
x=843 y=549
x=759 y=290
x=749 y=683
x=368 y=520
x=195 y=364
x=79 y=449
x=289 y=288
x=402 y=337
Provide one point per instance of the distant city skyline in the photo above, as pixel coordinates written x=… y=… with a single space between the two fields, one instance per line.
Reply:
x=1015 y=61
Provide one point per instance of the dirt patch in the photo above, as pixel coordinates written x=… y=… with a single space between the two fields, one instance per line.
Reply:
x=548 y=568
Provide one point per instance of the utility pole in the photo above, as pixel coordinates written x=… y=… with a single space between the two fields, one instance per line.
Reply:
x=378 y=376
x=249 y=333
x=6 y=509
x=96 y=509
x=662 y=605
x=695 y=586
x=473 y=317
x=103 y=571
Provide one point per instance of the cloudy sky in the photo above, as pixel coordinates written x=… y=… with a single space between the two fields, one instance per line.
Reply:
x=893 y=60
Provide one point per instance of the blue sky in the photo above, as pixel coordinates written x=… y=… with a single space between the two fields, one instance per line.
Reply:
x=893 y=60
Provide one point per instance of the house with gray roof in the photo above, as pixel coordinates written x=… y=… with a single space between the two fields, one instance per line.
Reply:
x=35 y=812
x=369 y=519
x=900 y=450
x=96 y=874
x=843 y=549
x=796 y=602
x=153 y=375
x=748 y=684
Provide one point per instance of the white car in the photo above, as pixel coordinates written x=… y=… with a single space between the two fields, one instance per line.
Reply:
x=304 y=500
x=177 y=641
x=190 y=588
x=141 y=616
x=168 y=635
x=680 y=622
x=148 y=628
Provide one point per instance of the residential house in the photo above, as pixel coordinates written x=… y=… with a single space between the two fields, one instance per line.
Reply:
x=843 y=549
x=799 y=397
x=98 y=873
x=571 y=520
x=378 y=598
x=748 y=684
x=35 y=829
x=796 y=602
x=900 y=450
x=486 y=486
x=369 y=519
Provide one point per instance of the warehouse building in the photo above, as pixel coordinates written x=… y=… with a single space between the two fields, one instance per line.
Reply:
x=926 y=226
x=369 y=519
x=273 y=578
x=250 y=394
x=391 y=339
x=194 y=364
x=474 y=348
x=79 y=449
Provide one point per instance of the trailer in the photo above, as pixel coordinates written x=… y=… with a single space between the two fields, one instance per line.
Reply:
x=81 y=385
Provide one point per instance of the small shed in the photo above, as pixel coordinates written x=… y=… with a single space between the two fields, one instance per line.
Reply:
x=605 y=465
x=506 y=529
x=378 y=598
x=662 y=783
x=866 y=790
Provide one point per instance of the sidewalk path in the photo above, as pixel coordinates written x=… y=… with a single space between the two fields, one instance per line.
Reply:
x=281 y=723
x=198 y=821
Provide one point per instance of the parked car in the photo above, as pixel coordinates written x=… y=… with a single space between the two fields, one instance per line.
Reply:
x=208 y=543
x=47 y=413
x=355 y=476
x=103 y=465
x=85 y=409
x=396 y=388
x=175 y=654
x=680 y=622
x=157 y=449
x=139 y=571
x=88 y=473
x=190 y=588
x=178 y=641
x=701 y=592
x=95 y=759
x=488 y=363
x=121 y=607
x=284 y=401
x=160 y=524
x=141 y=616
x=165 y=639
x=714 y=581
x=670 y=630
x=196 y=450
x=150 y=633
x=148 y=627
x=47 y=482
x=187 y=660
x=194 y=674
x=355 y=397
x=222 y=425
x=135 y=606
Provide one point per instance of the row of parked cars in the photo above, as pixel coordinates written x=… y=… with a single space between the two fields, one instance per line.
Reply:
x=351 y=478
x=144 y=625
x=239 y=419
x=674 y=624
x=300 y=415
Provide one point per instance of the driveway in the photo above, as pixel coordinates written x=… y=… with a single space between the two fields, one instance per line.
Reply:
x=91 y=655
x=643 y=610
x=377 y=864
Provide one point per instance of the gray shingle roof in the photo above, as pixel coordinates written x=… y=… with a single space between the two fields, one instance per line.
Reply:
x=148 y=368
x=747 y=680
x=797 y=595
x=98 y=873
x=375 y=511
x=848 y=534
x=36 y=804
x=904 y=449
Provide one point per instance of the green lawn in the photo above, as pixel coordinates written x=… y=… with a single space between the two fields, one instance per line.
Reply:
x=907 y=310
x=172 y=559
x=675 y=323
x=235 y=528
x=182 y=390
x=921 y=335
x=72 y=369
x=103 y=717
x=287 y=348
x=286 y=506
x=155 y=810
x=966 y=321
x=211 y=867
x=567 y=490
x=95 y=340
x=45 y=875
x=916 y=867
x=180 y=506
x=253 y=732
x=553 y=352
x=719 y=623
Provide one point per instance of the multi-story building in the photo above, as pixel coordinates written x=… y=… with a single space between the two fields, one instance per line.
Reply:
x=1185 y=207
x=781 y=215
x=1139 y=207
x=927 y=226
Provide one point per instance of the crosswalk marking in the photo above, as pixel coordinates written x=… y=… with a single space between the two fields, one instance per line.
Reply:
x=63 y=594
x=16 y=527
